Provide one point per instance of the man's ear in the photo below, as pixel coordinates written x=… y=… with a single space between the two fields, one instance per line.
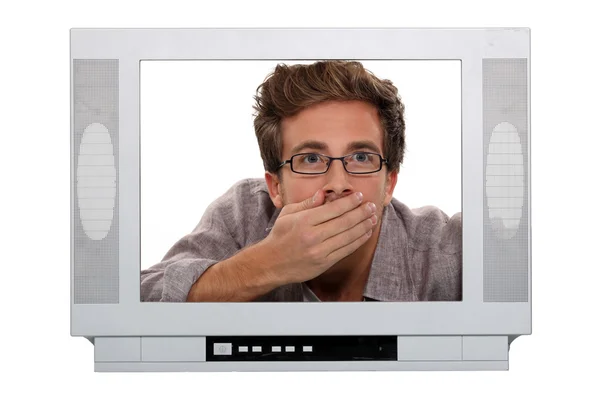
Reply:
x=274 y=186
x=390 y=184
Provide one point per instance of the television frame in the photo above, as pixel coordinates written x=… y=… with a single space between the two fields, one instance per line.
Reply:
x=468 y=334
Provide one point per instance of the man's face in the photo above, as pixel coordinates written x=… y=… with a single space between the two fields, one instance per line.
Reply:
x=337 y=125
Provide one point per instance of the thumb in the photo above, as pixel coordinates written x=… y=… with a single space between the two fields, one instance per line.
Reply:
x=311 y=202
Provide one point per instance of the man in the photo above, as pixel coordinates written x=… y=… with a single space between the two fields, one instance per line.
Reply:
x=322 y=225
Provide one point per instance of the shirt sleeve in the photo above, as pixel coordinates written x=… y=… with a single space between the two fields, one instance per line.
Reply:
x=216 y=237
x=445 y=272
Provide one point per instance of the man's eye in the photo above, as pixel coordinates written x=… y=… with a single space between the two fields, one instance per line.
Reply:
x=361 y=157
x=312 y=158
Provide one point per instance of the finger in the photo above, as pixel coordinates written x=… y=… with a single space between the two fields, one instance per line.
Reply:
x=346 y=222
x=341 y=240
x=333 y=210
x=349 y=247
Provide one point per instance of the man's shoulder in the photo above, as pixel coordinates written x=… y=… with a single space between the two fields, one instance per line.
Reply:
x=245 y=207
x=244 y=191
x=248 y=187
x=257 y=185
x=428 y=227
x=245 y=199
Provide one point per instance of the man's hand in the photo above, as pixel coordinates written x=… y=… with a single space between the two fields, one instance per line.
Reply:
x=309 y=237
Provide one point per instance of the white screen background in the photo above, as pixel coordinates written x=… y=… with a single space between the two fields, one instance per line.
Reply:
x=197 y=125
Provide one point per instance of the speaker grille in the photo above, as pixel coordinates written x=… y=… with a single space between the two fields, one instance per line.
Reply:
x=506 y=138
x=95 y=188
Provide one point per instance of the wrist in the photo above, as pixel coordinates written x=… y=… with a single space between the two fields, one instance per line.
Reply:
x=272 y=269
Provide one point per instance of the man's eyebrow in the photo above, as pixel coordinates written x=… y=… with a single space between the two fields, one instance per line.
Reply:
x=316 y=145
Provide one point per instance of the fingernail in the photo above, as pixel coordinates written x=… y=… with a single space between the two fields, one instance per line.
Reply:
x=315 y=196
x=359 y=195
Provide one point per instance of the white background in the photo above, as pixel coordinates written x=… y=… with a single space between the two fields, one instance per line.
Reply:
x=197 y=138
x=38 y=357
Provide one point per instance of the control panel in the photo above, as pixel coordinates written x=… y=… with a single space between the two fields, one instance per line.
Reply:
x=301 y=348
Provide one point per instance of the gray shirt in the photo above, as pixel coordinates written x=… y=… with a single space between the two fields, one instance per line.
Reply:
x=418 y=255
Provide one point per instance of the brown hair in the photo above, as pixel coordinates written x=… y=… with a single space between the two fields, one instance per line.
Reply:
x=290 y=89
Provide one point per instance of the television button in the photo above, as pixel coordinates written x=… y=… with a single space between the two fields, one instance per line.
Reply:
x=307 y=349
x=222 y=349
x=290 y=349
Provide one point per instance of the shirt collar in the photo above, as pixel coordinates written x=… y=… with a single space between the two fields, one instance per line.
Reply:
x=272 y=220
x=389 y=278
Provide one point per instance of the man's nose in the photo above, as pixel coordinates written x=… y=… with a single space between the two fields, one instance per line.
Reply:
x=337 y=184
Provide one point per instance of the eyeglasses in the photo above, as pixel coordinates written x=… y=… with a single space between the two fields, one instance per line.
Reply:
x=316 y=164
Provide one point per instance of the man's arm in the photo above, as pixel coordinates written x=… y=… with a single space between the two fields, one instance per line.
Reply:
x=217 y=237
x=243 y=277
x=216 y=264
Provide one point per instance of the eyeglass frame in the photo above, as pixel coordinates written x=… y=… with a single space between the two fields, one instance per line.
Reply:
x=331 y=159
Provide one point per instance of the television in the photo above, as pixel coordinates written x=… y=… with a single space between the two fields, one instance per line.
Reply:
x=168 y=180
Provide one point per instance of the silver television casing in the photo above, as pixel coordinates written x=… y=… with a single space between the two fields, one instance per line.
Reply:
x=130 y=335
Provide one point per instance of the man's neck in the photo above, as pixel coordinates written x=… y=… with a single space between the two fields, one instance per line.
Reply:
x=346 y=279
